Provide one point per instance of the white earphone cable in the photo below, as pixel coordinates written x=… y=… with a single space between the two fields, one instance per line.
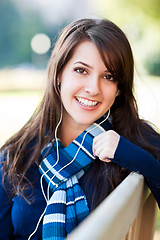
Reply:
x=41 y=183
x=80 y=146
x=57 y=149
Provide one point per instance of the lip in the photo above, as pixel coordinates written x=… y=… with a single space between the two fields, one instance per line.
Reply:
x=89 y=108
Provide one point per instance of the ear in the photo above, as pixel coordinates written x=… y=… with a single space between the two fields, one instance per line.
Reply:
x=59 y=79
x=118 y=93
x=58 y=83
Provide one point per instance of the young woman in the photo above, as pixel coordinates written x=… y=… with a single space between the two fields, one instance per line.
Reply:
x=83 y=140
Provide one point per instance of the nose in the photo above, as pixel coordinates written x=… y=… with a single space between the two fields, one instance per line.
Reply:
x=92 y=86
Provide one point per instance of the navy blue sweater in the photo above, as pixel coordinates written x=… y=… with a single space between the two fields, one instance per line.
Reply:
x=18 y=218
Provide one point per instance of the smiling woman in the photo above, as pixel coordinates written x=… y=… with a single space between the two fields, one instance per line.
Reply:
x=88 y=90
x=82 y=141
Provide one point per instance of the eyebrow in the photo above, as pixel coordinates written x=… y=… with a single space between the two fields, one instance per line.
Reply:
x=87 y=65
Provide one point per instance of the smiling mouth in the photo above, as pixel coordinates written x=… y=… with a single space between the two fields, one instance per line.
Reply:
x=87 y=103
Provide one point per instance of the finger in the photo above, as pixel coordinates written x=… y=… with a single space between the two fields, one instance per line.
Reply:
x=103 y=155
x=98 y=137
x=101 y=145
x=98 y=141
x=107 y=160
x=104 y=158
x=97 y=151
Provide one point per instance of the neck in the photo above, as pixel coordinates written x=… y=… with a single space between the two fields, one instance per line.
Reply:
x=68 y=132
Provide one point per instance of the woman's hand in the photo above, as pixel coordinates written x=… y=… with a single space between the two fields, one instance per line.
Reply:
x=105 y=145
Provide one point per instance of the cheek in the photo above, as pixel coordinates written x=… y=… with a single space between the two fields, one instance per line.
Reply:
x=70 y=87
x=68 y=91
x=65 y=85
x=110 y=93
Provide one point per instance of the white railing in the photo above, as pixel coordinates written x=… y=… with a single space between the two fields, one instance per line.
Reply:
x=128 y=213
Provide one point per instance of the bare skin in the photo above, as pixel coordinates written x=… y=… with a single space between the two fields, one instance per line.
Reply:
x=105 y=145
x=88 y=90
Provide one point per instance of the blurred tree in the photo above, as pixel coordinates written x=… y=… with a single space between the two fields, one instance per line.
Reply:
x=131 y=11
x=140 y=20
x=150 y=8
x=152 y=63
x=17 y=31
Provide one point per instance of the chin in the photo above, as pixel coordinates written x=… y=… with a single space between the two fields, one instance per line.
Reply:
x=86 y=123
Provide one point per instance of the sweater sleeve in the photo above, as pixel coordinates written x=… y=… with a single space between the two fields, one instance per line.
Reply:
x=5 y=209
x=136 y=159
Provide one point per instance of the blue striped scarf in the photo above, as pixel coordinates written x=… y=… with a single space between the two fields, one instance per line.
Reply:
x=67 y=206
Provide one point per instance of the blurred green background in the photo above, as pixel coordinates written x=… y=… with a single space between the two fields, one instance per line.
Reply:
x=28 y=31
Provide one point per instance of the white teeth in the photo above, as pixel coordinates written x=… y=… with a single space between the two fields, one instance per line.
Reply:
x=86 y=102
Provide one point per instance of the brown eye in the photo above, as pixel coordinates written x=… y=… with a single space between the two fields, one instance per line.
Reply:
x=109 y=77
x=80 y=70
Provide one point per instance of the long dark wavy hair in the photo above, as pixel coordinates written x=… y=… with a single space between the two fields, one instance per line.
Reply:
x=23 y=149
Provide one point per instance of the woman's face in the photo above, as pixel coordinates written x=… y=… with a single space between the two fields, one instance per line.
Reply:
x=88 y=90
